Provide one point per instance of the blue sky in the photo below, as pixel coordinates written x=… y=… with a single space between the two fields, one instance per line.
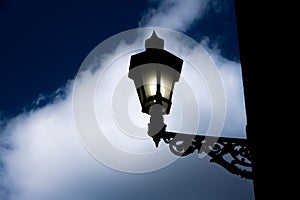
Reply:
x=43 y=44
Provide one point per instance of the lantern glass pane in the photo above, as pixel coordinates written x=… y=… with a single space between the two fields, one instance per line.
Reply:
x=168 y=77
x=150 y=88
x=140 y=94
x=148 y=75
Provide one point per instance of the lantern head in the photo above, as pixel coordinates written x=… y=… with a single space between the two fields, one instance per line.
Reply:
x=154 y=73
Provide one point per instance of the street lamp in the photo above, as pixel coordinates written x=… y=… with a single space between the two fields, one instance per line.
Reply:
x=154 y=73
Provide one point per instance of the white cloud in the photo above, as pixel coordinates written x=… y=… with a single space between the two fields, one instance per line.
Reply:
x=175 y=14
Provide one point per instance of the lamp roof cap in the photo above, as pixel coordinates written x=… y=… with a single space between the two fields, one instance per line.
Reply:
x=154 y=42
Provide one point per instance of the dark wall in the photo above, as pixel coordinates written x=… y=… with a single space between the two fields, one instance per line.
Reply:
x=256 y=44
x=266 y=35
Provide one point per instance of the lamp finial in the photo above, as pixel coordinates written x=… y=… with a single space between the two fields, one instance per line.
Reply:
x=154 y=42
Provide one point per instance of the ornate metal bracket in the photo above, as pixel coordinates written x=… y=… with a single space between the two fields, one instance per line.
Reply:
x=232 y=153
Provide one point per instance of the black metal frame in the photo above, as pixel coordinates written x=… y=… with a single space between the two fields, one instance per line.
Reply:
x=234 y=154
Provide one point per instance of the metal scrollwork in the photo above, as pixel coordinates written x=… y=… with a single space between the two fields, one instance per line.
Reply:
x=232 y=153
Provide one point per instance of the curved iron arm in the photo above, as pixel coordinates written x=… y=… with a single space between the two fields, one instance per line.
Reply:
x=232 y=153
x=218 y=148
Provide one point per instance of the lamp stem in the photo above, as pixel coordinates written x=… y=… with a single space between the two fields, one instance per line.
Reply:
x=156 y=127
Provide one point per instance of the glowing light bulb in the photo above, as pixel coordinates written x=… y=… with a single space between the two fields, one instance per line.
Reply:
x=152 y=87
